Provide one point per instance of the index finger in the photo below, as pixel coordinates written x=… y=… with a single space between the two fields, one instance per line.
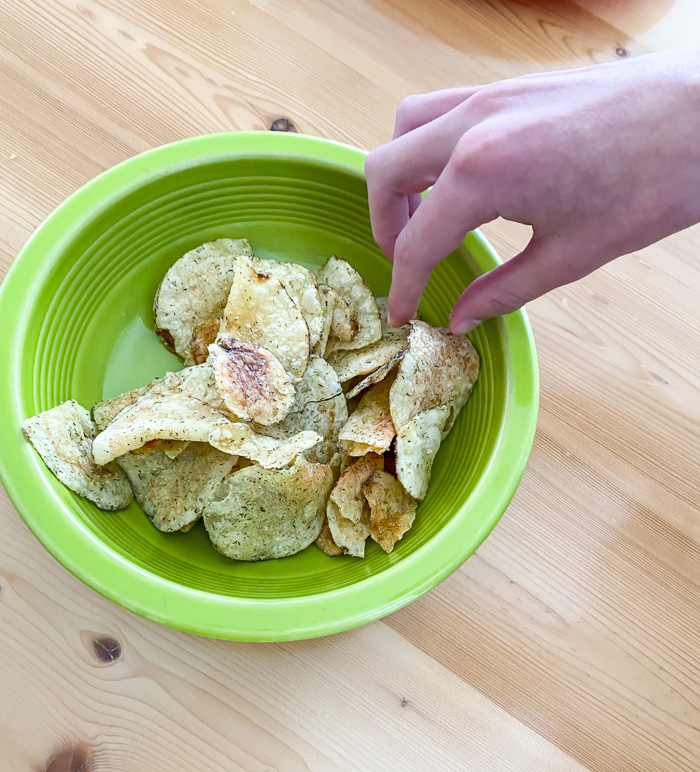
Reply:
x=438 y=227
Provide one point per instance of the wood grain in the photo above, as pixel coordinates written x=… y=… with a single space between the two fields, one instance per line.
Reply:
x=571 y=641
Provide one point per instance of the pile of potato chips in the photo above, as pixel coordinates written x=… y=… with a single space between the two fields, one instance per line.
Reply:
x=299 y=416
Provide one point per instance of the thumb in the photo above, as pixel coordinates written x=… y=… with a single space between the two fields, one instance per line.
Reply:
x=542 y=266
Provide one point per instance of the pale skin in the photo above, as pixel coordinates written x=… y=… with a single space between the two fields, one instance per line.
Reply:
x=600 y=161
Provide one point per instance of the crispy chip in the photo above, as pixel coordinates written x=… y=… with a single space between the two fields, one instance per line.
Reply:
x=198 y=382
x=378 y=375
x=203 y=336
x=319 y=406
x=325 y=542
x=252 y=382
x=173 y=492
x=438 y=368
x=301 y=288
x=259 y=514
x=341 y=277
x=153 y=417
x=63 y=437
x=269 y=452
x=172 y=448
x=392 y=510
x=369 y=428
x=327 y=298
x=347 y=509
x=417 y=445
x=195 y=289
x=375 y=361
x=106 y=411
x=344 y=324
x=260 y=311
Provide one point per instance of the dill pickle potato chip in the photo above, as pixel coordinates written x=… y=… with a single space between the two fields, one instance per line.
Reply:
x=63 y=437
x=258 y=513
x=195 y=289
x=296 y=405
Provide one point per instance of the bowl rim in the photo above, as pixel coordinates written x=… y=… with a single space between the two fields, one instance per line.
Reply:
x=210 y=614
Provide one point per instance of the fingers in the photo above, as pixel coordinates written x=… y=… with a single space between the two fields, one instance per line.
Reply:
x=542 y=266
x=405 y=166
x=438 y=227
x=419 y=109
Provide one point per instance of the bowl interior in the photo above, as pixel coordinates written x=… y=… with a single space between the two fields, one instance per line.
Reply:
x=92 y=338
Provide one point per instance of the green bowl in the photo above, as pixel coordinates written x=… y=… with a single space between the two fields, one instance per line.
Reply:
x=76 y=315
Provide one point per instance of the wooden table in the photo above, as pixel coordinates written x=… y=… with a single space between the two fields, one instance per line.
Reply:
x=571 y=640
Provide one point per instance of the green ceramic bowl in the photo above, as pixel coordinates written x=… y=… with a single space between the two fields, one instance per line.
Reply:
x=76 y=316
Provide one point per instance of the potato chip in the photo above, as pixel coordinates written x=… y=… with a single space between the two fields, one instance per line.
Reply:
x=375 y=360
x=417 y=445
x=369 y=428
x=327 y=298
x=63 y=437
x=259 y=311
x=272 y=453
x=347 y=509
x=153 y=417
x=203 y=336
x=301 y=288
x=106 y=411
x=197 y=382
x=375 y=377
x=319 y=406
x=172 y=448
x=392 y=510
x=257 y=513
x=438 y=368
x=251 y=381
x=325 y=542
x=341 y=277
x=195 y=290
x=344 y=324
x=173 y=492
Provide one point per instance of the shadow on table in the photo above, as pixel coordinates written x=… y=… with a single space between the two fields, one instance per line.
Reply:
x=531 y=30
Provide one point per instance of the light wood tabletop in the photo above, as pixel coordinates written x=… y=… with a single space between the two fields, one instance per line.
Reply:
x=571 y=639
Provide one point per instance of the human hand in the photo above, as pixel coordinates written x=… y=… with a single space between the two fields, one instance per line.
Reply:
x=600 y=161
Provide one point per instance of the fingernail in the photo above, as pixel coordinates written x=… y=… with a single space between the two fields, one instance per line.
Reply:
x=464 y=325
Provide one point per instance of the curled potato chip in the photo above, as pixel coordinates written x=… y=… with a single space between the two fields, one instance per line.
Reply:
x=325 y=542
x=195 y=289
x=417 y=445
x=258 y=514
x=319 y=406
x=173 y=492
x=347 y=509
x=172 y=448
x=301 y=288
x=437 y=369
x=106 y=411
x=203 y=336
x=369 y=428
x=392 y=510
x=341 y=277
x=252 y=382
x=327 y=298
x=153 y=417
x=63 y=437
x=375 y=361
x=196 y=382
x=259 y=311
x=240 y=440
x=344 y=324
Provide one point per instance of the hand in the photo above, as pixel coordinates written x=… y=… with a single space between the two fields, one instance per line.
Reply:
x=600 y=162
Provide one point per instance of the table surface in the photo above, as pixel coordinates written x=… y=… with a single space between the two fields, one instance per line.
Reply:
x=571 y=639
